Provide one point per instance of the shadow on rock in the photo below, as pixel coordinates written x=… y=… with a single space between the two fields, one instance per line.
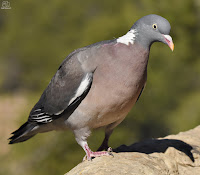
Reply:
x=157 y=145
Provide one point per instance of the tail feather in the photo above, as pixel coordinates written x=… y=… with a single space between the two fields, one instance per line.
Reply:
x=22 y=134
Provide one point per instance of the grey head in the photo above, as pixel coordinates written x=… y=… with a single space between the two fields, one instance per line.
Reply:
x=152 y=28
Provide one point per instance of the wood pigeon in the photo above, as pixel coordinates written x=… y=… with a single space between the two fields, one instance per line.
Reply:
x=97 y=85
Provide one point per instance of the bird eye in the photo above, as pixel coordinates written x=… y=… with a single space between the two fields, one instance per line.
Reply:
x=154 y=26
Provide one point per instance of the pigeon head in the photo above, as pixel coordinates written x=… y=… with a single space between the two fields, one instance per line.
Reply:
x=152 y=28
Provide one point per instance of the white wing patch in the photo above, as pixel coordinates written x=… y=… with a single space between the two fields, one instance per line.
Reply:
x=37 y=115
x=58 y=113
x=41 y=117
x=83 y=86
x=37 y=110
x=128 y=38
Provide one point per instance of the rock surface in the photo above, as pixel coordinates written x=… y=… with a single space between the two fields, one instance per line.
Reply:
x=172 y=155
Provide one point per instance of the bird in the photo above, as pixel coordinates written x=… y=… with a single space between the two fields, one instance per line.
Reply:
x=96 y=86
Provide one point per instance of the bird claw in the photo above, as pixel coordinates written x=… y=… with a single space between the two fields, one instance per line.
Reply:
x=111 y=154
x=109 y=149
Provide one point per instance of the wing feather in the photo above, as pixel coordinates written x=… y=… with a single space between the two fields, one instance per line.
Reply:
x=67 y=89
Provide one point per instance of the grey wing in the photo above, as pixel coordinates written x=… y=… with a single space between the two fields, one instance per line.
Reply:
x=67 y=89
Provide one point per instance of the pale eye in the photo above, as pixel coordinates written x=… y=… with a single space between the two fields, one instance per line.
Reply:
x=154 y=26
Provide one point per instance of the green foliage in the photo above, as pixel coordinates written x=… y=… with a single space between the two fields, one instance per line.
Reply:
x=37 y=35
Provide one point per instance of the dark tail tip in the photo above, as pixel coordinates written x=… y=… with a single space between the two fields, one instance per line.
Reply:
x=22 y=134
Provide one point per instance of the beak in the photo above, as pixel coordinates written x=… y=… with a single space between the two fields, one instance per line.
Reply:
x=169 y=41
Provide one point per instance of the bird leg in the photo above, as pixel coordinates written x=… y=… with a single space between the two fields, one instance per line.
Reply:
x=81 y=138
x=108 y=132
x=90 y=154
x=104 y=145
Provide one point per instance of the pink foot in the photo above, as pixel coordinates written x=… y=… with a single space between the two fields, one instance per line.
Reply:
x=90 y=154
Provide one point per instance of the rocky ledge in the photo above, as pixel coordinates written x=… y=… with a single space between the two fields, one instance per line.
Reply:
x=172 y=155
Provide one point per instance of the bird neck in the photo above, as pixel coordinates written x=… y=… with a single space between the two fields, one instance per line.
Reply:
x=133 y=36
x=128 y=38
x=143 y=41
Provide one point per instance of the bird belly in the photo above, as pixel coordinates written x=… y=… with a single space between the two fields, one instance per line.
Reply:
x=119 y=106
x=102 y=107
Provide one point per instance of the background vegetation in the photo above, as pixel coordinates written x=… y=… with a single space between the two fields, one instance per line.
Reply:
x=35 y=36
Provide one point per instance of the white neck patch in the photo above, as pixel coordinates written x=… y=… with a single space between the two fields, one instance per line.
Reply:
x=128 y=38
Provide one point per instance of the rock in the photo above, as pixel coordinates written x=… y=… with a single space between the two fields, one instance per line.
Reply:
x=172 y=155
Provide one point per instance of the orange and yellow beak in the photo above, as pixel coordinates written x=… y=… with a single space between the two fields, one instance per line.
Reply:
x=169 y=41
